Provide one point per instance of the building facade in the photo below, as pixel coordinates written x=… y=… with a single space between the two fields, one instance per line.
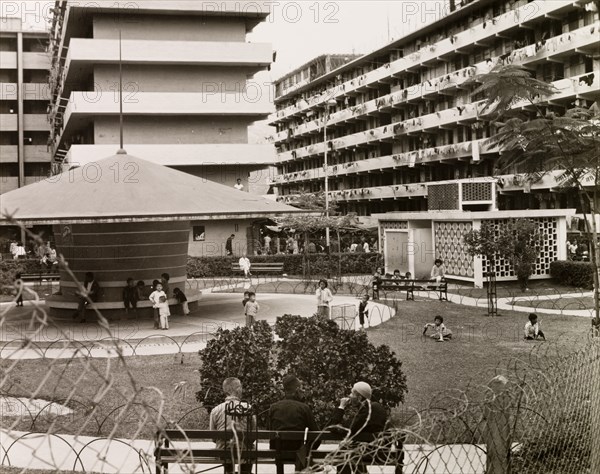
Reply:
x=402 y=131
x=186 y=68
x=24 y=93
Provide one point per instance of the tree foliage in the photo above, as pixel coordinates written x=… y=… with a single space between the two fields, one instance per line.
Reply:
x=327 y=359
x=517 y=240
x=545 y=139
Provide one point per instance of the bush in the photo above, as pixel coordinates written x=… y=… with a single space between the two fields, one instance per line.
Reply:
x=243 y=353
x=9 y=268
x=327 y=359
x=578 y=274
x=320 y=264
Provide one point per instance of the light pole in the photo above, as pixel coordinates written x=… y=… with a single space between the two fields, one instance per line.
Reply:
x=328 y=104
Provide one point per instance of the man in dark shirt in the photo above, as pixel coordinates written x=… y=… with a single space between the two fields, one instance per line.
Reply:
x=291 y=414
x=370 y=418
x=229 y=245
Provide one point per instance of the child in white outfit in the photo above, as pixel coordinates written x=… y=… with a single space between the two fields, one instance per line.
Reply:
x=163 y=310
x=155 y=297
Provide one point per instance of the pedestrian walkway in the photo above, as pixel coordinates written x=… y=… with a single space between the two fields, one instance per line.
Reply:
x=122 y=456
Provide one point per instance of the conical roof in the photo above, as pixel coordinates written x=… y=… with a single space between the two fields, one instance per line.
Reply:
x=126 y=188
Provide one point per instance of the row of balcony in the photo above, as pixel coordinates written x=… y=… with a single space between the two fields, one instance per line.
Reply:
x=567 y=88
x=31 y=122
x=8 y=60
x=432 y=53
x=30 y=91
x=506 y=183
x=229 y=154
x=410 y=159
x=254 y=104
x=31 y=154
x=564 y=44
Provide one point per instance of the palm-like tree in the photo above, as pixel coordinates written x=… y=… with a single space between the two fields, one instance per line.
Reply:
x=570 y=143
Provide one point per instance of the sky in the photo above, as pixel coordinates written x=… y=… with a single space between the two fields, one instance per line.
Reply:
x=304 y=29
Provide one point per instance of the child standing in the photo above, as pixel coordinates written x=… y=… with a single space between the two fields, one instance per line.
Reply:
x=182 y=299
x=324 y=298
x=163 y=310
x=155 y=298
x=440 y=332
x=246 y=299
x=19 y=287
x=376 y=282
x=362 y=311
x=251 y=309
x=532 y=328
x=130 y=296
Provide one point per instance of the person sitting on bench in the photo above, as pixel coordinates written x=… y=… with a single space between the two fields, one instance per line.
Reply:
x=438 y=272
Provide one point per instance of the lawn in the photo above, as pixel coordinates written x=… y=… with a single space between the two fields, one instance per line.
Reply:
x=83 y=381
x=481 y=346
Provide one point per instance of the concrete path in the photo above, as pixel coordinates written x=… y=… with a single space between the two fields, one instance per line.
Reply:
x=66 y=339
x=122 y=456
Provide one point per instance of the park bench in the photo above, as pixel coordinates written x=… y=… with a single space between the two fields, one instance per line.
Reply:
x=410 y=286
x=39 y=277
x=185 y=447
x=260 y=267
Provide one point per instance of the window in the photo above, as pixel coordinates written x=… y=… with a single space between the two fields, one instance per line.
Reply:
x=199 y=233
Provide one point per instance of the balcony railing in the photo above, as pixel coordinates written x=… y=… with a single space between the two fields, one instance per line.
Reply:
x=9 y=154
x=409 y=159
x=505 y=183
x=478 y=33
x=468 y=113
x=562 y=44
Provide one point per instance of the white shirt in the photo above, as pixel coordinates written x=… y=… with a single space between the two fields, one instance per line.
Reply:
x=353 y=247
x=155 y=297
x=366 y=247
x=19 y=251
x=324 y=297
x=244 y=262
x=238 y=186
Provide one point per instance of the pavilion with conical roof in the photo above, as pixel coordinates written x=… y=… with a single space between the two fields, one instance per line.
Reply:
x=124 y=217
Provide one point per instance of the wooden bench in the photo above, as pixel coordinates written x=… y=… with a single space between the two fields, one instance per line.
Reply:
x=410 y=286
x=40 y=276
x=183 y=447
x=263 y=267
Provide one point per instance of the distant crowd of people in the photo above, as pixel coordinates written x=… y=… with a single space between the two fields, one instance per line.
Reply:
x=577 y=251
x=45 y=252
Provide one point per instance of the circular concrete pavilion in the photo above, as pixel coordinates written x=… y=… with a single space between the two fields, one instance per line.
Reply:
x=124 y=217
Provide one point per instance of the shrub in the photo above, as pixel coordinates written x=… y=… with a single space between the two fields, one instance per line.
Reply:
x=243 y=353
x=320 y=264
x=330 y=360
x=327 y=359
x=578 y=274
x=9 y=268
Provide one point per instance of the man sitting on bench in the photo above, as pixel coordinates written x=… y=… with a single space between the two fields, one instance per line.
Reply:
x=233 y=415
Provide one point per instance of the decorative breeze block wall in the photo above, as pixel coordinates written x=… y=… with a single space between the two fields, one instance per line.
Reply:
x=443 y=197
x=450 y=247
x=548 y=227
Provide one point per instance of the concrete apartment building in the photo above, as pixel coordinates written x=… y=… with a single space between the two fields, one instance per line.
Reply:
x=188 y=98
x=24 y=94
x=403 y=133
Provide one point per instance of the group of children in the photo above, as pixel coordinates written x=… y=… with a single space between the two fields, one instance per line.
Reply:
x=159 y=296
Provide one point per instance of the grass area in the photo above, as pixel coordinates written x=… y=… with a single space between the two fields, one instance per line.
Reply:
x=481 y=345
x=576 y=303
x=84 y=386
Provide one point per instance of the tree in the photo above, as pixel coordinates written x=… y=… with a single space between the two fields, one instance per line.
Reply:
x=516 y=240
x=546 y=141
x=327 y=359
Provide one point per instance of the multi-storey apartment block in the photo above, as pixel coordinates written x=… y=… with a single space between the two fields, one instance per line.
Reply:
x=24 y=65
x=403 y=126
x=187 y=100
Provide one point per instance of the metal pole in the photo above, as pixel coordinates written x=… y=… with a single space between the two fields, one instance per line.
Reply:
x=325 y=119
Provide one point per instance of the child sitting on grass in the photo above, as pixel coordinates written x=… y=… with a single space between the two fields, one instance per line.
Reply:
x=440 y=332
x=532 y=328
